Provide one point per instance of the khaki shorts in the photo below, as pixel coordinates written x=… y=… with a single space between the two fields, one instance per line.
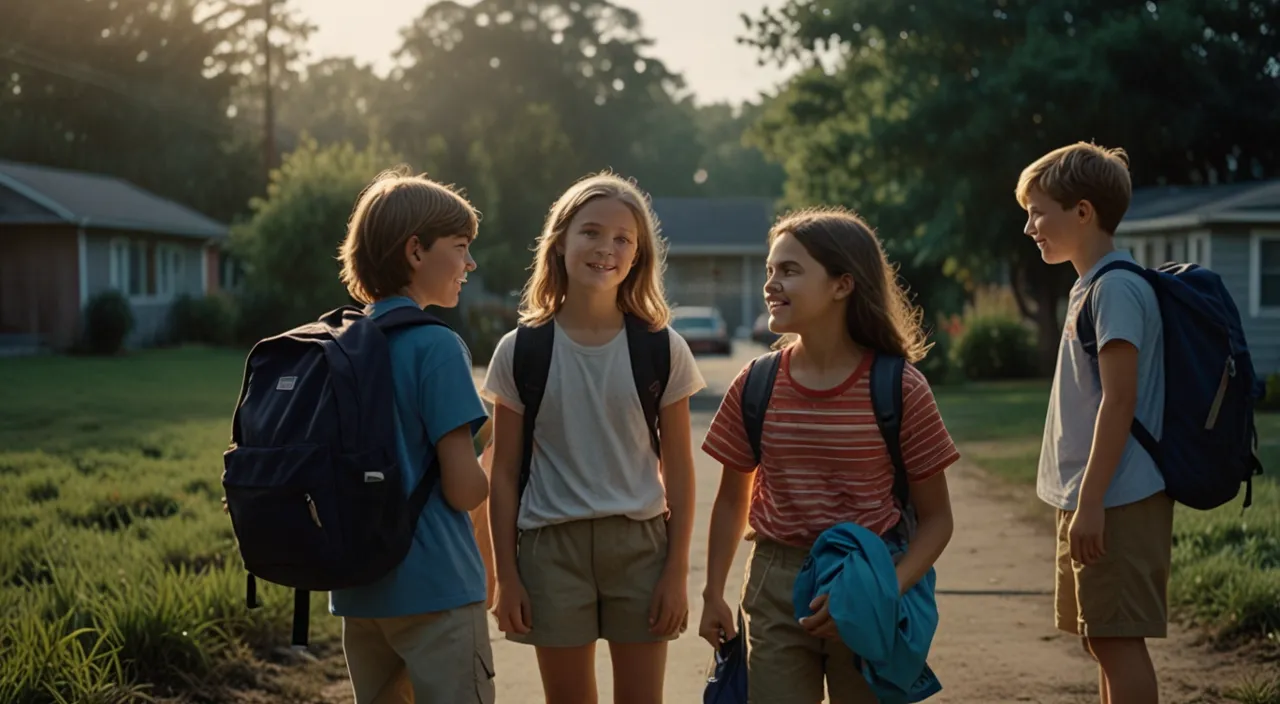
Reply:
x=785 y=664
x=1125 y=594
x=438 y=657
x=591 y=579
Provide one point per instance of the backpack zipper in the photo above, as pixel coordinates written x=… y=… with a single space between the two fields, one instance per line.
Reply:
x=311 y=506
x=1228 y=371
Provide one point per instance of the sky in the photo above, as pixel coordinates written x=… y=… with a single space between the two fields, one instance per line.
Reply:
x=692 y=37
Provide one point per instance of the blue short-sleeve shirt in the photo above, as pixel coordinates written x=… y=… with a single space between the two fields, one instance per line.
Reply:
x=434 y=394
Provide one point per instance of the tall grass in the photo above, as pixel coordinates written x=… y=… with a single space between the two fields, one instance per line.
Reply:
x=119 y=578
x=1226 y=562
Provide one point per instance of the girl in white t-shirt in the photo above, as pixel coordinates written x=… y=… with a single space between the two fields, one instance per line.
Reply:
x=596 y=546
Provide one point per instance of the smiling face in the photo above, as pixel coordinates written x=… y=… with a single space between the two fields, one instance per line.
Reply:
x=599 y=247
x=799 y=292
x=439 y=271
x=1059 y=232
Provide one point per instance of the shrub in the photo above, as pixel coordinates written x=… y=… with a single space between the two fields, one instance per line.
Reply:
x=996 y=347
x=937 y=366
x=210 y=320
x=1271 y=401
x=108 y=320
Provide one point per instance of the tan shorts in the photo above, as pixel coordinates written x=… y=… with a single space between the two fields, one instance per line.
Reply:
x=591 y=579
x=785 y=664
x=438 y=657
x=1125 y=594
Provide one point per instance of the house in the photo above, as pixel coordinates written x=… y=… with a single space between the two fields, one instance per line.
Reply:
x=1233 y=229
x=66 y=236
x=716 y=251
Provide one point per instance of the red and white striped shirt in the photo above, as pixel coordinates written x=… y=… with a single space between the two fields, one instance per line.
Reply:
x=823 y=460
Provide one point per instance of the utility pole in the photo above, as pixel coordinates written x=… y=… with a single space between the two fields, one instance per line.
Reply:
x=269 y=141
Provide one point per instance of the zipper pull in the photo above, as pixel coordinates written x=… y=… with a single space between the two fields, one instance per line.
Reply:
x=311 y=506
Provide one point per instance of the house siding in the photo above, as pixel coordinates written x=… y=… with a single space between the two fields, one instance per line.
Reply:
x=1231 y=253
x=40 y=283
x=150 y=308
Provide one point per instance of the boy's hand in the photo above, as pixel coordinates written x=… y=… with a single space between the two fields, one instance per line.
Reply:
x=820 y=624
x=514 y=612
x=669 y=606
x=1085 y=533
x=718 y=625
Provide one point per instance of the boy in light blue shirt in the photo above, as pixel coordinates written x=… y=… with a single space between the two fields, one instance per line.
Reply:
x=1115 y=521
x=421 y=632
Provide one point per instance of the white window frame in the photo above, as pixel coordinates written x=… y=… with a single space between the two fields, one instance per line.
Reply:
x=170 y=268
x=121 y=269
x=1150 y=250
x=1256 y=307
x=1202 y=240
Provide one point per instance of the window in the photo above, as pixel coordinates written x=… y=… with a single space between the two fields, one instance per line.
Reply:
x=1154 y=251
x=129 y=266
x=169 y=269
x=1265 y=283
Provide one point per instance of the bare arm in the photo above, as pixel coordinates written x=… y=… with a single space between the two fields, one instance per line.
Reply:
x=677 y=472
x=508 y=442
x=462 y=480
x=932 y=501
x=480 y=527
x=728 y=524
x=1118 y=369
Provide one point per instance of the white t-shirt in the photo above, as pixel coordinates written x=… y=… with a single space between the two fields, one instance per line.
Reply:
x=591 y=452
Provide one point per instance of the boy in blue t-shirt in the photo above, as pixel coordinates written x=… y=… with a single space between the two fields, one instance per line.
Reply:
x=421 y=632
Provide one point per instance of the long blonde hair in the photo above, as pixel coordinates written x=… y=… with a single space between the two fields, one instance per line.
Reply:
x=641 y=293
x=879 y=314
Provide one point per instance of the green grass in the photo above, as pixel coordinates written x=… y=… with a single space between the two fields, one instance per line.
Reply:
x=119 y=576
x=1226 y=564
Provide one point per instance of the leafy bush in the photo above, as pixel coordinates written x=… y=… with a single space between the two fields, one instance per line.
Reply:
x=210 y=320
x=108 y=320
x=997 y=347
x=937 y=366
x=1271 y=401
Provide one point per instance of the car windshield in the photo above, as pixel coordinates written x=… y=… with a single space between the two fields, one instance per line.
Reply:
x=689 y=323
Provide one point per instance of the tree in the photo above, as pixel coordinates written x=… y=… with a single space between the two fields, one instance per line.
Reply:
x=933 y=108
x=290 y=245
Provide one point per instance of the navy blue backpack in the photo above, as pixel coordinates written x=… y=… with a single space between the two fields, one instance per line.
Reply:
x=1209 y=444
x=727 y=683
x=314 y=487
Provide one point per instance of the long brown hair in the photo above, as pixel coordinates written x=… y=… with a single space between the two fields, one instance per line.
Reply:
x=879 y=315
x=641 y=293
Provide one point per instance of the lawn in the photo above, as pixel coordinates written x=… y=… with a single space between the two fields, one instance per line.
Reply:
x=1226 y=571
x=118 y=569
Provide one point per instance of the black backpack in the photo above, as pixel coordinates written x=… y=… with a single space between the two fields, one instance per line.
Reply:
x=1209 y=447
x=313 y=483
x=650 y=366
x=886 y=402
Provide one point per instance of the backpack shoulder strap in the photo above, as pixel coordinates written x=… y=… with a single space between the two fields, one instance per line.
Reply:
x=406 y=316
x=756 y=391
x=650 y=367
x=531 y=364
x=886 y=402
x=1085 y=331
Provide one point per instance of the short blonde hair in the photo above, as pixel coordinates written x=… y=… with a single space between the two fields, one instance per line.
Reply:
x=641 y=293
x=1082 y=171
x=392 y=208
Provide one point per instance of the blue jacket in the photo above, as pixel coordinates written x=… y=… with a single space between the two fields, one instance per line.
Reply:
x=891 y=635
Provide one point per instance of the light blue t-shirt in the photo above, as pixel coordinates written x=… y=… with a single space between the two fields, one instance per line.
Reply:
x=1124 y=308
x=434 y=392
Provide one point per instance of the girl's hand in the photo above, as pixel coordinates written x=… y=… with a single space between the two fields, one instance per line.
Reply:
x=718 y=624
x=514 y=613
x=669 y=606
x=820 y=624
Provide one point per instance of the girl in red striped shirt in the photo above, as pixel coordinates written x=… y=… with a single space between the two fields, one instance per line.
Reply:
x=823 y=461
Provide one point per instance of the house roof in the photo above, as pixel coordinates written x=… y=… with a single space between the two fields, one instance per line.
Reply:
x=1163 y=208
x=31 y=194
x=729 y=226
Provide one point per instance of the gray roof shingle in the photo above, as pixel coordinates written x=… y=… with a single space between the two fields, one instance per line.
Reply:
x=710 y=224
x=1157 y=207
x=95 y=201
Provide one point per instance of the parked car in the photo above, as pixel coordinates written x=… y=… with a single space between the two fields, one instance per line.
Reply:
x=703 y=327
x=761 y=333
